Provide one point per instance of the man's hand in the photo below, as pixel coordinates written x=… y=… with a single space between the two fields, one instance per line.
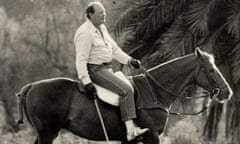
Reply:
x=91 y=90
x=135 y=63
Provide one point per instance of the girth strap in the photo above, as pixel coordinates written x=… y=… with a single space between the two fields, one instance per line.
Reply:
x=154 y=106
x=146 y=96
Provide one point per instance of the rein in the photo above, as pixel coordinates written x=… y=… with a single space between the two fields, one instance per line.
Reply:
x=158 y=84
x=167 y=90
x=196 y=113
x=174 y=94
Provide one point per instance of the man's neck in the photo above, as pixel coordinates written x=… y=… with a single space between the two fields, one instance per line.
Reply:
x=96 y=25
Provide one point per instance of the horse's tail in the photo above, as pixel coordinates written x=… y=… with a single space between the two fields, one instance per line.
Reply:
x=21 y=95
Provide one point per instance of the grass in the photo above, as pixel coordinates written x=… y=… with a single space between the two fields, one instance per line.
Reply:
x=26 y=136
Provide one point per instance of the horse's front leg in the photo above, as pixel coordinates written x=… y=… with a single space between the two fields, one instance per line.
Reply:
x=151 y=138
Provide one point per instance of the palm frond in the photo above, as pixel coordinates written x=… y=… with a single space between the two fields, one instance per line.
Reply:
x=126 y=20
x=212 y=123
x=134 y=48
x=178 y=35
x=236 y=63
x=163 y=12
x=209 y=42
x=132 y=16
x=148 y=16
x=197 y=18
x=175 y=42
x=233 y=110
x=222 y=52
x=234 y=19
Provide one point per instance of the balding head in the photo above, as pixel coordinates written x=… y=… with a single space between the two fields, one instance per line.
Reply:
x=96 y=13
x=91 y=8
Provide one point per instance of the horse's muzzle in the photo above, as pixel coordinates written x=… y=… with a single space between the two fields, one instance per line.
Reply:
x=221 y=95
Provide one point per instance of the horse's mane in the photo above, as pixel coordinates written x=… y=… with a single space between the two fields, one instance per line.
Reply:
x=204 y=54
x=209 y=56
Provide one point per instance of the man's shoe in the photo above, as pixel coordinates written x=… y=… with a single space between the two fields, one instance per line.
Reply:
x=136 y=131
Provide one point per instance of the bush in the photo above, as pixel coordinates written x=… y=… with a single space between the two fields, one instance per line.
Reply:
x=184 y=139
x=186 y=131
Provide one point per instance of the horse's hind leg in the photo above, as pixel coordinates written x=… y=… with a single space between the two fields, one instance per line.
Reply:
x=46 y=137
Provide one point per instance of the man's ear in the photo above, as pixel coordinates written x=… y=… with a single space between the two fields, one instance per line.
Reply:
x=198 y=52
x=90 y=15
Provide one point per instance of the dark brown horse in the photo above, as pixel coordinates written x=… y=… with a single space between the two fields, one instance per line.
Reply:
x=53 y=104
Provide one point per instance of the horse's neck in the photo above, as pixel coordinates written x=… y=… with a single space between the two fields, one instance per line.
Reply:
x=175 y=76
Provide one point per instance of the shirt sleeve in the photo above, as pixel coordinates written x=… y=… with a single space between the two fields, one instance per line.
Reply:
x=83 y=44
x=118 y=53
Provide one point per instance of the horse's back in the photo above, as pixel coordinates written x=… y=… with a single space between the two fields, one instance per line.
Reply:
x=48 y=102
x=58 y=103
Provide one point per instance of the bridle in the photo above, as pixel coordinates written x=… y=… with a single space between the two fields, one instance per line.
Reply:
x=213 y=95
x=216 y=90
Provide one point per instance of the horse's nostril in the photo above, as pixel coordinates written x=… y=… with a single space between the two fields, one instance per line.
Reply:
x=227 y=93
x=216 y=91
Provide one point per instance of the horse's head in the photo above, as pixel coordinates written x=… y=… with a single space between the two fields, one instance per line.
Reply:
x=210 y=78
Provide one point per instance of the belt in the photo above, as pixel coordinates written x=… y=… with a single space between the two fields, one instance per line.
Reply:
x=106 y=63
x=99 y=66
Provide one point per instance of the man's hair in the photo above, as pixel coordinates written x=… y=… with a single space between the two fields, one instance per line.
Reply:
x=90 y=8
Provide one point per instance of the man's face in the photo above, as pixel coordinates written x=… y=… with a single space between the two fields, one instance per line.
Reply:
x=98 y=17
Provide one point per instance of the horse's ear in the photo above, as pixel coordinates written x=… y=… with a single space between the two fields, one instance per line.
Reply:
x=198 y=52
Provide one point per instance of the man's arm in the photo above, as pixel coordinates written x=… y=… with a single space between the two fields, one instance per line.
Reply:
x=118 y=54
x=83 y=44
x=123 y=57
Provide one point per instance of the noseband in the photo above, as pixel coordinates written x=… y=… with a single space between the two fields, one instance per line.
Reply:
x=216 y=90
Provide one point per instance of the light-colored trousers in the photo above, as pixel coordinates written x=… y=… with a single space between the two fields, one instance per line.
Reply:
x=103 y=75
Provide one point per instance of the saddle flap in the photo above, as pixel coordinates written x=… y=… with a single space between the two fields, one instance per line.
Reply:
x=106 y=95
x=109 y=96
x=146 y=96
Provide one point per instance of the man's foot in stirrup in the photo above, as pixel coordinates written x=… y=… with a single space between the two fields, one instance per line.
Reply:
x=133 y=131
x=136 y=132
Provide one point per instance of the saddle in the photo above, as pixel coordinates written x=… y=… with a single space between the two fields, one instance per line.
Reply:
x=106 y=95
x=144 y=94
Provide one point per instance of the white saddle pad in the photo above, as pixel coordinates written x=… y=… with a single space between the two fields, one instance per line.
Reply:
x=109 y=96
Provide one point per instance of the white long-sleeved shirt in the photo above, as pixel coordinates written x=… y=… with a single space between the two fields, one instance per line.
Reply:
x=93 y=48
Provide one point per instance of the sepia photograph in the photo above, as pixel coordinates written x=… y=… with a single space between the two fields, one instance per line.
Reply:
x=119 y=71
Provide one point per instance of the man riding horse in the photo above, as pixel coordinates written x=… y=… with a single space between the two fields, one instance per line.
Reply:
x=57 y=103
x=61 y=103
x=95 y=50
